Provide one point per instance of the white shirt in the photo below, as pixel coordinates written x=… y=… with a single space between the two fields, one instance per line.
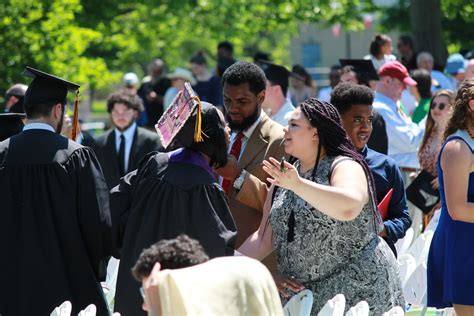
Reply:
x=443 y=81
x=247 y=134
x=404 y=136
x=325 y=94
x=42 y=126
x=128 y=134
x=281 y=117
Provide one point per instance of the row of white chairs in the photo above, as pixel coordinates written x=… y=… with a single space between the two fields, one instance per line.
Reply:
x=301 y=305
x=65 y=309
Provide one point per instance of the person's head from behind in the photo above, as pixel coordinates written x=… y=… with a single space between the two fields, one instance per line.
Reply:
x=405 y=46
x=462 y=111
x=124 y=107
x=156 y=68
x=354 y=104
x=215 y=135
x=277 y=85
x=198 y=64
x=177 y=253
x=393 y=78
x=244 y=87
x=381 y=45
x=299 y=77
x=45 y=98
x=225 y=49
x=423 y=82
x=425 y=60
x=334 y=75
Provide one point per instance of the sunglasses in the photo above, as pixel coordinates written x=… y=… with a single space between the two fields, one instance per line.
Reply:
x=441 y=106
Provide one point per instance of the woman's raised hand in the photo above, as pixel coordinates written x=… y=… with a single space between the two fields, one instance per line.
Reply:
x=281 y=174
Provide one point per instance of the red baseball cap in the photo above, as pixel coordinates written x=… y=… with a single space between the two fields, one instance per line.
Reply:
x=395 y=69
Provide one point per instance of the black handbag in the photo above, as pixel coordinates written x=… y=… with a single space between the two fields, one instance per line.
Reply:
x=421 y=193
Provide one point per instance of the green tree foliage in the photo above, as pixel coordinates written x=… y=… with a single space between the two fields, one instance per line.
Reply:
x=94 y=42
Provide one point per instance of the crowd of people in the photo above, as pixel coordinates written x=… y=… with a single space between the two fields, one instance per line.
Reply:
x=247 y=160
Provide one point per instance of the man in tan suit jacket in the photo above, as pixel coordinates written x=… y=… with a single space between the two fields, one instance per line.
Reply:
x=244 y=91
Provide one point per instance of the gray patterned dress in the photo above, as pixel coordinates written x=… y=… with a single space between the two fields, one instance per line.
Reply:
x=330 y=256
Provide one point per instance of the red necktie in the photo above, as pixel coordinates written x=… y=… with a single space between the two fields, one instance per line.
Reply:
x=234 y=151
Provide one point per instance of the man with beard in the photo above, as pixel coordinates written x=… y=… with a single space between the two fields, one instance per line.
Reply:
x=121 y=148
x=254 y=138
x=55 y=223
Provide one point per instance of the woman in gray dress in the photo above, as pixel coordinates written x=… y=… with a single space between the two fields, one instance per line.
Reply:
x=321 y=218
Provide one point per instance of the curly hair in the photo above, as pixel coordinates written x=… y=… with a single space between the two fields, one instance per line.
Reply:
x=242 y=72
x=345 y=95
x=461 y=113
x=430 y=124
x=177 y=253
x=126 y=97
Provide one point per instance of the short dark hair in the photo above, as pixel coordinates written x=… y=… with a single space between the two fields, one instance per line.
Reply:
x=177 y=253
x=129 y=99
x=345 y=95
x=226 y=45
x=38 y=110
x=243 y=72
x=423 y=82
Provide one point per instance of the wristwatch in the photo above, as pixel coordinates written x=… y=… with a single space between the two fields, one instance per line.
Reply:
x=240 y=180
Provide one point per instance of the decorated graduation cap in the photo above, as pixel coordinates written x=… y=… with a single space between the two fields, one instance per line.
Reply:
x=364 y=68
x=184 y=108
x=276 y=73
x=46 y=88
x=10 y=124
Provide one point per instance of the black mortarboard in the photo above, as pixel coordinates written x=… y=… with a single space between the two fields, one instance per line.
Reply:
x=10 y=124
x=363 y=67
x=185 y=107
x=275 y=73
x=48 y=88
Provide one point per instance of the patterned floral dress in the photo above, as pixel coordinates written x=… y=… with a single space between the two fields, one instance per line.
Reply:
x=330 y=256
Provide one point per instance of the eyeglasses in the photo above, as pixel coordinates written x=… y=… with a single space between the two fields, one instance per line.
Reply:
x=142 y=292
x=440 y=106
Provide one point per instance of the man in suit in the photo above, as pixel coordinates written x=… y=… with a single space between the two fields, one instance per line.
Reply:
x=254 y=138
x=121 y=148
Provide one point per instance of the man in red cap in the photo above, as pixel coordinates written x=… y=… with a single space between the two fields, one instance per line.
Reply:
x=404 y=136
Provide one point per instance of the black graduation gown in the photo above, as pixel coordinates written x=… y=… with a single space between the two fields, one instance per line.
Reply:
x=55 y=225
x=161 y=200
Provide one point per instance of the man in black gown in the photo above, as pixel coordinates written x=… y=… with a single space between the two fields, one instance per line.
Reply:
x=55 y=223
x=174 y=193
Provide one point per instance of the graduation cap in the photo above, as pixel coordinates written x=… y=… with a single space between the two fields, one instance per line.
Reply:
x=10 y=124
x=185 y=107
x=362 y=67
x=275 y=73
x=48 y=88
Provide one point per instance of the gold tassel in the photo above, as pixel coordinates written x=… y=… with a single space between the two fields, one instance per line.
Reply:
x=198 y=128
x=75 y=118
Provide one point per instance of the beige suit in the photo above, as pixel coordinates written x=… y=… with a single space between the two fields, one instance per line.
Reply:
x=247 y=205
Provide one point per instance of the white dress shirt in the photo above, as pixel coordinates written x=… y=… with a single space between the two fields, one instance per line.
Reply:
x=247 y=133
x=404 y=136
x=281 y=117
x=128 y=134
x=42 y=126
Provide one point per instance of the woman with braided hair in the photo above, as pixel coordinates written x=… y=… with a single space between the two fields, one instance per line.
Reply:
x=321 y=218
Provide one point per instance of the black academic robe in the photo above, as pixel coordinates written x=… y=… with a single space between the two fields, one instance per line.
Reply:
x=55 y=225
x=161 y=200
x=143 y=143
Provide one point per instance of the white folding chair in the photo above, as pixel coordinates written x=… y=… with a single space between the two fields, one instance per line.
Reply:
x=62 y=310
x=406 y=265
x=395 y=311
x=300 y=304
x=360 y=309
x=416 y=285
x=403 y=244
x=421 y=247
x=434 y=221
x=90 y=310
x=334 y=306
